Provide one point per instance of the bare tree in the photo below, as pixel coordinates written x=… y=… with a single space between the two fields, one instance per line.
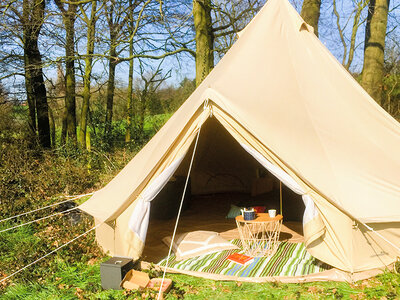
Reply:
x=349 y=44
x=27 y=25
x=229 y=18
x=117 y=19
x=90 y=22
x=151 y=81
x=129 y=105
x=69 y=118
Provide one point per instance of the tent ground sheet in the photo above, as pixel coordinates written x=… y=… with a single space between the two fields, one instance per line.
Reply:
x=207 y=212
x=290 y=259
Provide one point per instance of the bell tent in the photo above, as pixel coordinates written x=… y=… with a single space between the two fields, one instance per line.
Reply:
x=281 y=101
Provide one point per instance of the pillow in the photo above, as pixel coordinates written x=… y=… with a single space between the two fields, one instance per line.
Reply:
x=234 y=212
x=259 y=209
x=196 y=243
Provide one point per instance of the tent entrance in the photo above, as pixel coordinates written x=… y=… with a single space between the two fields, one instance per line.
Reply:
x=223 y=174
x=207 y=212
x=221 y=165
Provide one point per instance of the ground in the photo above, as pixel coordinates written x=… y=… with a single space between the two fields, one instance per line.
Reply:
x=81 y=280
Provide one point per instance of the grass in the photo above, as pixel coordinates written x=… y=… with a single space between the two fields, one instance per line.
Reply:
x=386 y=285
x=82 y=281
x=79 y=278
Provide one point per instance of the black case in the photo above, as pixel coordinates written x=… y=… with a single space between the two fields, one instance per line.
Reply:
x=113 y=271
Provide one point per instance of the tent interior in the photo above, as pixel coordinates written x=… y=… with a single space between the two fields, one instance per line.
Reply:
x=223 y=174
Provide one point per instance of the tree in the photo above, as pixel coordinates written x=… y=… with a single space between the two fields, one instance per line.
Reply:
x=117 y=17
x=391 y=80
x=69 y=118
x=3 y=95
x=129 y=105
x=349 y=49
x=204 y=39
x=229 y=18
x=90 y=41
x=375 y=33
x=32 y=20
x=115 y=25
x=150 y=83
x=310 y=13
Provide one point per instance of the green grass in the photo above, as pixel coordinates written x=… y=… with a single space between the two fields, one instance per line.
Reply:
x=81 y=280
x=74 y=273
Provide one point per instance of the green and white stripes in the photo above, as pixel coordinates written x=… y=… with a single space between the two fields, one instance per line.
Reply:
x=290 y=259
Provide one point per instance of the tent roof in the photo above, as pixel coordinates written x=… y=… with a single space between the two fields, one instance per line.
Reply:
x=284 y=87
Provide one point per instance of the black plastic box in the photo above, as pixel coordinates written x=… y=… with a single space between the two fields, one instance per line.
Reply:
x=113 y=271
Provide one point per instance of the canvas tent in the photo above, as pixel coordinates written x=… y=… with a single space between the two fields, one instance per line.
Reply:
x=294 y=109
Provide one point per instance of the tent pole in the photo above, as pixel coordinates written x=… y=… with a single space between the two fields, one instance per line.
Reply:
x=280 y=196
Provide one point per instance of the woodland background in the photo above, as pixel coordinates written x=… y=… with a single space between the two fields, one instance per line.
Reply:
x=85 y=84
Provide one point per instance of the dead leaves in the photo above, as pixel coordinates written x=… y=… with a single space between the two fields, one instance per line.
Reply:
x=62 y=286
x=4 y=283
x=92 y=261
x=79 y=293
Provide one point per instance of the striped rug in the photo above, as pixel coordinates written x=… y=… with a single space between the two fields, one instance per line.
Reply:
x=291 y=259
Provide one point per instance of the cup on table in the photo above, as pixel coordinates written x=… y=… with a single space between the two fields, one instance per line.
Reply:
x=248 y=214
x=272 y=213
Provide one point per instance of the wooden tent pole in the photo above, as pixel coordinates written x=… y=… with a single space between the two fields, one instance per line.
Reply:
x=280 y=196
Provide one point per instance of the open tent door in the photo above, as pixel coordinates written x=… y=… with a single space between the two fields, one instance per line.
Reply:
x=313 y=225
x=221 y=165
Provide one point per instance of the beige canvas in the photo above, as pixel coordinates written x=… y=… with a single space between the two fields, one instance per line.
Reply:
x=279 y=91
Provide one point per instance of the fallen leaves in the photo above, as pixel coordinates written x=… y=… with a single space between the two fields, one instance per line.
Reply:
x=313 y=289
x=92 y=261
x=79 y=293
x=5 y=282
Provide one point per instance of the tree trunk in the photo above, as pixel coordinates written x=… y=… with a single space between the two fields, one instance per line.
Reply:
x=142 y=109
x=33 y=18
x=129 y=106
x=310 y=13
x=64 y=126
x=204 y=39
x=30 y=96
x=70 y=102
x=42 y=108
x=69 y=119
x=375 y=33
x=87 y=76
x=356 y=24
x=111 y=83
x=52 y=128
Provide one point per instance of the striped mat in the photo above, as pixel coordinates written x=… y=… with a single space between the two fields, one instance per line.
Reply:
x=290 y=259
